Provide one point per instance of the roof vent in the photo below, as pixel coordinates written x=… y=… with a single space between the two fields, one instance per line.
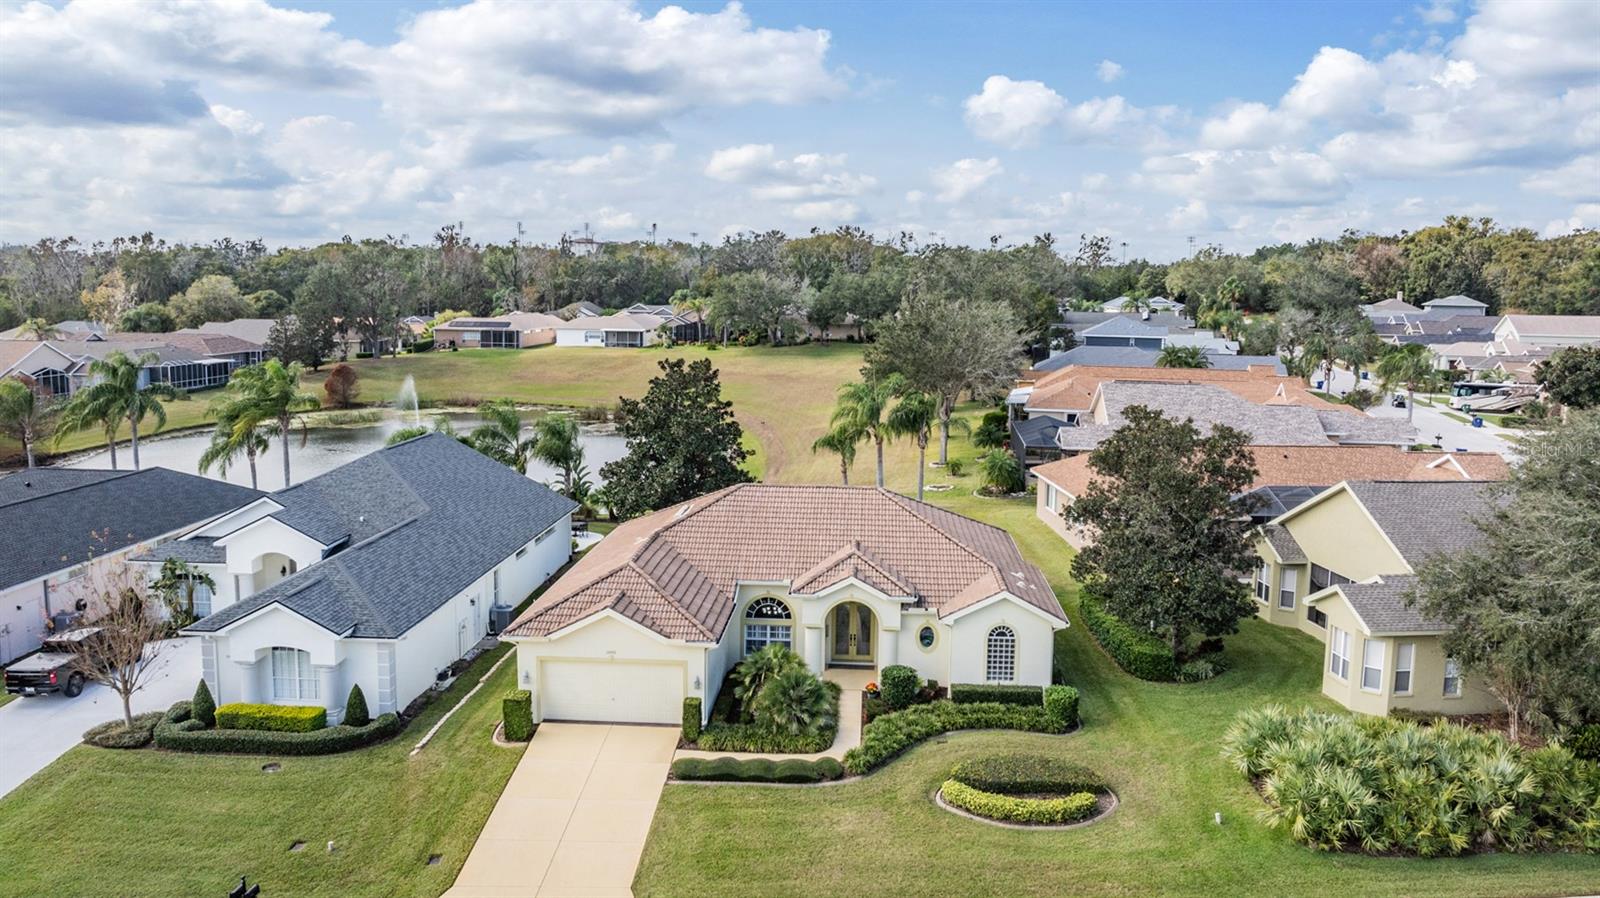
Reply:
x=683 y=511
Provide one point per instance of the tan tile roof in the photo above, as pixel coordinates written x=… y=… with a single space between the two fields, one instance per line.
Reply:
x=1322 y=466
x=676 y=570
x=1074 y=386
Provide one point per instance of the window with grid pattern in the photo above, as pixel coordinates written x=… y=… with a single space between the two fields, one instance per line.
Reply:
x=766 y=622
x=1001 y=661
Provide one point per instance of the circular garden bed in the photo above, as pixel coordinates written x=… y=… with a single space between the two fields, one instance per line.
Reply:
x=1032 y=791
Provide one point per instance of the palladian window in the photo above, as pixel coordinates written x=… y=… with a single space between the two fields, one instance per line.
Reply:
x=767 y=622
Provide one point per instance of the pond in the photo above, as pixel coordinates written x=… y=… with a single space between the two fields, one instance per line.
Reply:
x=328 y=447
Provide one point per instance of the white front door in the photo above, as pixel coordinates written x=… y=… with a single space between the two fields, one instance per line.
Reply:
x=611 y=691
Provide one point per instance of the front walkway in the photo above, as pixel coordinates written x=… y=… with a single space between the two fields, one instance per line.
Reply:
x=573 y=818
x=851 y=681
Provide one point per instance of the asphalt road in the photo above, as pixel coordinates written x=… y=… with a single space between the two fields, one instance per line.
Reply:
x=1433 y=426
x=37 y=729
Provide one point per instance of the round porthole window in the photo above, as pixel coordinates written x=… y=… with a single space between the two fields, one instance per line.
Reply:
x=926 y=637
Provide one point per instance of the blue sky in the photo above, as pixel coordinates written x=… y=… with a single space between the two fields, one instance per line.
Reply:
x=1237 y=124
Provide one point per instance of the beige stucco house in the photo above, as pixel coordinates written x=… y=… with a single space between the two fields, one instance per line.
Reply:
x=1339 y=567
x=854 y=577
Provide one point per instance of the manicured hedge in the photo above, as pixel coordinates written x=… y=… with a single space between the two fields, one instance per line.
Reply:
x=1135 y=651
x=899 y=684
x=748 y=737
x=204 y=706
x=1022 y=774
x=1061 y=703
x=691 y=719
x=892 y=734
x=273 y=718
x=115 y=734
x=177 y=731
x=969 y=693
x=1012 y=809
x=516 y=712
x=757 y=770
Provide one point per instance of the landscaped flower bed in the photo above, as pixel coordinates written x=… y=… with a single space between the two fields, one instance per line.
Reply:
x=1342 y=782
x=769 y=703
x=179 y=731
x=891 y=734
x=1027 y=789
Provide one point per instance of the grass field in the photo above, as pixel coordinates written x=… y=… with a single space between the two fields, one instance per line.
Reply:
x=101 y=822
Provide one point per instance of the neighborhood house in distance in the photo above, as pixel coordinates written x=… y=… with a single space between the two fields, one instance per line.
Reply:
x=380 y=573
x=860 y=577
x=1339 y=567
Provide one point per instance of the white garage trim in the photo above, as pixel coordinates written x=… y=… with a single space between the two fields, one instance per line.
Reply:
x=612 y=691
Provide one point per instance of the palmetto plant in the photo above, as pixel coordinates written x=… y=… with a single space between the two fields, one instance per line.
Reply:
x=1001 y=471
x=116 y=395
x=795 y=702
x=1341 y=783
x=760 y=668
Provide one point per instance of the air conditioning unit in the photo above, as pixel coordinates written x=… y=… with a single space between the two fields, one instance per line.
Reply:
x=499 y=618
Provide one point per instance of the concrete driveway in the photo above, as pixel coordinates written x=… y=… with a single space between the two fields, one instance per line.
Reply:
x=573 y=818
x=35 y=730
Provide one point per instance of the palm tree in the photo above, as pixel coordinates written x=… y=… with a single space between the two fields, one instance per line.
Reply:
x=37 y=329
x=269 y=393
x=500 y=435
x=861 y=408
x=913 y=416
x=116 y=396
x=1359 y=351
x=697 y=305
x=228 y=444
x=556 y=442
x=24 y=415
x=441 y=424
x=1183 y=357
x=1409 y=364
x=841 y=440
x=1135 y=304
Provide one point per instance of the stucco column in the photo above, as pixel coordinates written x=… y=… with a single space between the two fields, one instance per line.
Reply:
x=249 y=689
x=888 y=648
x=814 y=645
x=328 y=686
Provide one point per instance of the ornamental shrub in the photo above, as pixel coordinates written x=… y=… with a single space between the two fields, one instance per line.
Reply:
x=891 y=734
x=1585 y=742
x=1027 y=774
x=273 y=718
x=1012 y=809
x=116 y=733
x=204 y=707
x=177 y=731
x=691 y=720
x=516 y=713
x=757 y=770
x=967 y=693
x=1343 y=782
x=1061 y=706
x=355 y=708
x=1136 y=652
x=899 y=686
x=796 y=703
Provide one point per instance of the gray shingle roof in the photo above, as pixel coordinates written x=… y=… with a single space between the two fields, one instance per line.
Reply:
x=199 y=550
x=1348 y=428
x=425 y=519
x=1283 y=542
x=1136 y=357
x=1425 y=517
x=1039 y=431
x=79 y=514
x=1382 y=606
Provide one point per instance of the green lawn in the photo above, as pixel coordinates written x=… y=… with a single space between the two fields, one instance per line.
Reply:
x=1156 y=743
x=100 y=822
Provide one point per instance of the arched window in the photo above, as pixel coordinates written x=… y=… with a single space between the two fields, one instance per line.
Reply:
x=1001 y=661
x=766 y=622
x=292 y=677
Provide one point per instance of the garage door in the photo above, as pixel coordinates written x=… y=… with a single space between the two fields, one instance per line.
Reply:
x=613 y=691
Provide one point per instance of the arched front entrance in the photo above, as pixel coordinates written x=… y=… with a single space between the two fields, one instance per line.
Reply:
x=852 y=635
x=274 y=567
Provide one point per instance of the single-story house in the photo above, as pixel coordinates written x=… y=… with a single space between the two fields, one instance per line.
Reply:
x=186 y=361
x=1154 y=304
x=1390 y=308
x=514 y=330
x=251 y=330
x=1134 y=357
x=616 y=329
x=1548 y=331
x=582 y=309
x=66 y=330
x=1068 y=391
x=1340 y=567
x=1286 y=476
x=859 y=577
x=1455 y=306
x=64 y=527
x=381 y=572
